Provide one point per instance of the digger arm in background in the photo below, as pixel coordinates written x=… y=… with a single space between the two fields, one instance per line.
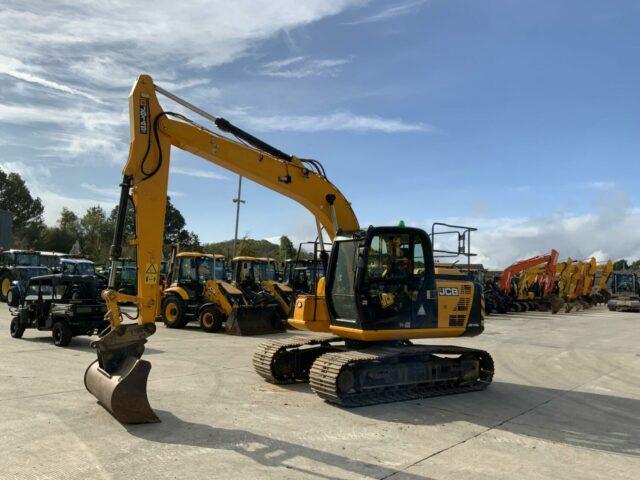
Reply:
x=590 y=270
x=607 y=270
x=509 y=272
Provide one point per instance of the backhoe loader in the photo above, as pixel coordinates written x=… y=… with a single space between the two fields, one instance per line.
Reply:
x=379 y=292
x=197 y=290
x=259 y=279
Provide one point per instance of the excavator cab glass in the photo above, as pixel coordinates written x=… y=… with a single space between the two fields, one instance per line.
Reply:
x=383 y=280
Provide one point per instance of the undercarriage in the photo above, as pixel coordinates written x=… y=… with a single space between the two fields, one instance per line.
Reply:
x=358 y=374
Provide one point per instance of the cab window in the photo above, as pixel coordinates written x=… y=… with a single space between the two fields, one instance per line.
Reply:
x=32 y=292
x=188 y=269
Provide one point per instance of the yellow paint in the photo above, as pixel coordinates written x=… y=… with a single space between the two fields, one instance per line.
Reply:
x=6 y=285
x=181 y=292
x=399 y=334
x=149 y=193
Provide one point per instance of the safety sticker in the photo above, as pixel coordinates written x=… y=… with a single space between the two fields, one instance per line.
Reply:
x=151 y=274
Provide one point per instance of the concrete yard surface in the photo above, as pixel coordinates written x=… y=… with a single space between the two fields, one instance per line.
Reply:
x=565 y=403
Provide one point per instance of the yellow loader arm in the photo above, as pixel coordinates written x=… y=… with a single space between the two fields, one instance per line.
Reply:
x=118 y=377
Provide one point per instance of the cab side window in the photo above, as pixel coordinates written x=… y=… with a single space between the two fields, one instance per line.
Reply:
x=188 y=270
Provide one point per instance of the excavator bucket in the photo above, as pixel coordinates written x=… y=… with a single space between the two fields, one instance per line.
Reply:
x=118 y=379
x=123 y=393
x=255 y=320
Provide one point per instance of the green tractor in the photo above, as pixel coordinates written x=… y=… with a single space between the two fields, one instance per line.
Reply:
x=16 y=268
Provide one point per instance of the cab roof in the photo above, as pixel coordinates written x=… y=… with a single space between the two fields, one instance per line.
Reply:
x=76 y=260
x=253 y=259
x=199 y=254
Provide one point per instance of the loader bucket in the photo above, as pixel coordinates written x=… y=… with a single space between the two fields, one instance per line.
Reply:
x=255 y=320
x=123 y=392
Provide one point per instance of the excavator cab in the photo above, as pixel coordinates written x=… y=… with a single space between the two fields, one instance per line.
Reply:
x=382 y=280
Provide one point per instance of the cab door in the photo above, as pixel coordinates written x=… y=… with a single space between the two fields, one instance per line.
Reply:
x=188 y=275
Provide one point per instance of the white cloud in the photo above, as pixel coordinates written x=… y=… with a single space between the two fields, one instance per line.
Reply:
x=16 y=69
x=301 y=67
x=90 y=49
x=340 y=122
x=109 y=192
x=195 y=172
x=600 y=184
x=604 y=234
x=393 y=11
x=38 y=181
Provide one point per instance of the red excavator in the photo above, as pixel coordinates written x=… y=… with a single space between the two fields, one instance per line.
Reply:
x=539 y=295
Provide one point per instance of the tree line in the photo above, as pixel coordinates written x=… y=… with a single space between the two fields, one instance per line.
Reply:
x=93 y=231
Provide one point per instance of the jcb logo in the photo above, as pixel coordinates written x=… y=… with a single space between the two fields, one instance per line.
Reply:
x=449 y=292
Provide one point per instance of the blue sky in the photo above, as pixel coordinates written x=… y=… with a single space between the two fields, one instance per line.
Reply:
x=519 y=117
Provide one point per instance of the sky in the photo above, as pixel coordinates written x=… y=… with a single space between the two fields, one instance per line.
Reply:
x=518 y=117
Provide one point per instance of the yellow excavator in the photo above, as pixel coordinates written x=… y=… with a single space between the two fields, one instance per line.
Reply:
x=379 y=292
x=590 y=270
x=603 y=274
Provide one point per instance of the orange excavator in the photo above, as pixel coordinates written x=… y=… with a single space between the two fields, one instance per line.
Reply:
x=546 y=299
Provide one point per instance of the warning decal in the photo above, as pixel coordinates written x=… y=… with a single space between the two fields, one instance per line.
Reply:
x=151 y=274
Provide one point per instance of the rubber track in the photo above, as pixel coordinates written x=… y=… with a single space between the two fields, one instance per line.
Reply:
x=266 y=352
x=326 y=369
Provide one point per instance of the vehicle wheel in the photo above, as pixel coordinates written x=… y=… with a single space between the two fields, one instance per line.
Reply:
x=16 y=329
x=5 y=285
x=211 y=319
x=173 y=312
x=61 y=334
x=13 y=297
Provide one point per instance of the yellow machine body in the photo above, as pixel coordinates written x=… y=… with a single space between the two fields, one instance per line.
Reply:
x=153 y=133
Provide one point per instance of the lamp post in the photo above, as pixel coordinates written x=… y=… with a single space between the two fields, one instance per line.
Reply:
x=237 y=201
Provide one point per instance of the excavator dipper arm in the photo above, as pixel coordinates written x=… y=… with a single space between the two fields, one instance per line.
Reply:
x=118 y=377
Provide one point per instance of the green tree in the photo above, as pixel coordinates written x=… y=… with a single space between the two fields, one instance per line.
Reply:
x=621 y=264
x=66 y=232
x=69 y=222
x=174 y=224
x=635 y=265
x=244 y=248
x=28 y=224
x=174 y=229
x=97 y=233
x=287 y=249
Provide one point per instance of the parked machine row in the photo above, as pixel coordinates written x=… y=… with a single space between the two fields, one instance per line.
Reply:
x=543 y=283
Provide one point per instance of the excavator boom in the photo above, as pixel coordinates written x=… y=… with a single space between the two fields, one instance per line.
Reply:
x=118 y=377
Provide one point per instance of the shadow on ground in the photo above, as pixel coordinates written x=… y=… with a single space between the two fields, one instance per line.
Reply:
x=589 y=420
x=267 y=451
x=77 y=343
